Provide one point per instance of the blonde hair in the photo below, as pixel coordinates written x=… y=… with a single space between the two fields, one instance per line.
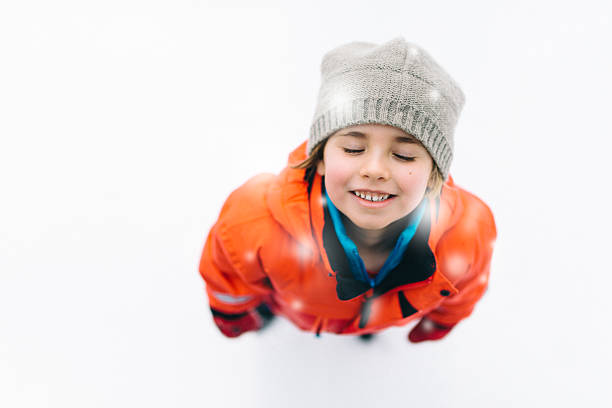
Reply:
x=434 y=185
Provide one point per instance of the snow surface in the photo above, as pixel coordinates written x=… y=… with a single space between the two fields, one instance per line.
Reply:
x=125 y=124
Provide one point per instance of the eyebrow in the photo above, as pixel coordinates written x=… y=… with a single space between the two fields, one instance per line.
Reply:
x=400 y=139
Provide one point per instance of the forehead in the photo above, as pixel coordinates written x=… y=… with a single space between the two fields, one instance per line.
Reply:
x=376 y=132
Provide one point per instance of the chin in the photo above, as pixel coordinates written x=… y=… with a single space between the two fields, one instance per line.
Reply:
x=370 y=225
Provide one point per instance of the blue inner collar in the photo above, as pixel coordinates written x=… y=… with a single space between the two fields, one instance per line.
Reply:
x=357 y=266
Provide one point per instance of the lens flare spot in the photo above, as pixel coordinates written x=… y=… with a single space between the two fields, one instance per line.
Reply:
x=303 y=250
x=249 y=256
x=339 y=98
x=455 y=266
x=296 y=304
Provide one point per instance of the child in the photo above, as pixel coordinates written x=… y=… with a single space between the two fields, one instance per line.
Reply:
x=364 y=229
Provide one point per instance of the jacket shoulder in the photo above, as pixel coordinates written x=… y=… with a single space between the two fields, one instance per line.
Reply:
x=247 y=202
x=245 y=220
x=477 y=214
x=470 y=240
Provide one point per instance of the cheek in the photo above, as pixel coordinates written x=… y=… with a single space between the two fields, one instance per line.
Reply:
x=337 y=175
x=415 y=180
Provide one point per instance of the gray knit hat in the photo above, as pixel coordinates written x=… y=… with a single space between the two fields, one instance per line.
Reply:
x=396 y=83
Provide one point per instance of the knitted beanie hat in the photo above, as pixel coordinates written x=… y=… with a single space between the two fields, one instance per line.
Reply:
x=396 y=83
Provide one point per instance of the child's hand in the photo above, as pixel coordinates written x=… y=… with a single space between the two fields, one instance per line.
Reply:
x=428 y=330
x=235 y=325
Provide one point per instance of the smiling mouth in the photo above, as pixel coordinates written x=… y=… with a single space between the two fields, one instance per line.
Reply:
x=374 y=197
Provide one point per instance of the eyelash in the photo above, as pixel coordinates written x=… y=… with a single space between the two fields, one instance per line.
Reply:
x=355 y=151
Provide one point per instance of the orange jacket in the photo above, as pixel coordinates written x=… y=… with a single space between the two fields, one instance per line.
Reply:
x=274 y=242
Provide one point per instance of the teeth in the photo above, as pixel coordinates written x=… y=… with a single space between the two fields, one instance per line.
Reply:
x=372 y=196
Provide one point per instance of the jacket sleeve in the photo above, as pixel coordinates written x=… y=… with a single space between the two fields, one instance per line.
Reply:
x=465 y=257
x=235 y=282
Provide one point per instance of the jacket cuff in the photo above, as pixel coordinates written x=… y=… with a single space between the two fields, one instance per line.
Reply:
x=228 y=316
x=441 y=320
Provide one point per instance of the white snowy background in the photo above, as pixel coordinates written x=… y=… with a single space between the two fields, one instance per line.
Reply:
x=125 y=124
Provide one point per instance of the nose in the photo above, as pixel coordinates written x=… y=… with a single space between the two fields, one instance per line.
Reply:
x=374 y=168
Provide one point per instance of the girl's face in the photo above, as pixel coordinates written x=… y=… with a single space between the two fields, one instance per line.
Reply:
x=374 y=158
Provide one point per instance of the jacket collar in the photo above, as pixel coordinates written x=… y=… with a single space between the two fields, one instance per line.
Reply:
x=415 y=262
x=287 y=199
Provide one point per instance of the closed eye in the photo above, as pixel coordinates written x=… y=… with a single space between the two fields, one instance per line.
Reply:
x=404 y=158
x=357 y=151
x=353 y=151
